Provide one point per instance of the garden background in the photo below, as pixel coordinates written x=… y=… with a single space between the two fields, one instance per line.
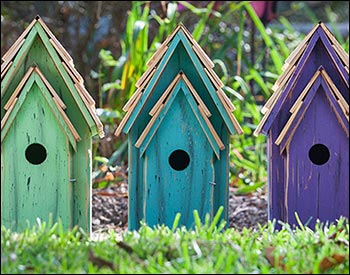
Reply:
x=110 y=43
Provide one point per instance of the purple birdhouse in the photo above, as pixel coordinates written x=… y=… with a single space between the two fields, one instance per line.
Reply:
x=306 y=121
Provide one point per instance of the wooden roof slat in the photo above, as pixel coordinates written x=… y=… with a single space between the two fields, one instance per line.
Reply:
x=217 y=83
x=202 y=57
x=18 y=88
x=273 y=98
x=69 y=66
x=158 y=54
x=12 y=54
x=288 y=124
x=69 y=123
x=211 y=128
x=343 y=55
x=283 y=79
x=92 y=113
x=195 y=95
x=301 y=45
x=126 y=117
x=226 y=101
x=131 y=100
x=5 y=69
x=5 y=57
x=305 y=90
x=159 y=115
x=165 y=95
x=86 y=95
x=50 y=88
x=335 y=90
x=7 y=114
x=149 y=126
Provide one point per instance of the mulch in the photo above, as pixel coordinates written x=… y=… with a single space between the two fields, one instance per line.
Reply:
x=110 y=208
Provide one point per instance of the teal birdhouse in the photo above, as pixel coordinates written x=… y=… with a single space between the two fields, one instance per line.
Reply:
x=178 y=123
x=47 y=123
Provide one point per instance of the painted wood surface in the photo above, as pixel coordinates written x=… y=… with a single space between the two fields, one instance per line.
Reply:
x=318 y=191
x=41 y=49
x=178 y=105
x=31 y=190
x=315 y=55
x=167 y=190
x=309 y=106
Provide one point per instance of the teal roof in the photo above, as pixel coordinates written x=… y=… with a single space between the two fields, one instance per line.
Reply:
x=154 y=73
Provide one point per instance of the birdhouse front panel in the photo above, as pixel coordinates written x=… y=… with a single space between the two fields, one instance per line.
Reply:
x=37 y=163
x=178 y=167
x=318 y=151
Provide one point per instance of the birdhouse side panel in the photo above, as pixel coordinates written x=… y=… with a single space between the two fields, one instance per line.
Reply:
x=276 y=183
x=135 y=182
x=318 y=166
x=222 y=173
x=81 y=179
x=178 y=168
x=36 y=167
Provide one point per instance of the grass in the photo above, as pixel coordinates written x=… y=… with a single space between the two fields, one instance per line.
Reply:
x=208 y=248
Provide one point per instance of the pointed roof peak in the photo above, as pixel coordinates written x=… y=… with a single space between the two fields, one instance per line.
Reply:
x=63 y=62
x=294 y=65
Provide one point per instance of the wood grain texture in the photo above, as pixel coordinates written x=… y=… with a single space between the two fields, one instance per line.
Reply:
x=318 y=191
x=57 y=111
x=169 y=191
x=35 y=191
x=310 y=108
x=172 y=113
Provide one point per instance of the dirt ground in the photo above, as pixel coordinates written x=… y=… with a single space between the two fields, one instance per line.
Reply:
x=110 y=209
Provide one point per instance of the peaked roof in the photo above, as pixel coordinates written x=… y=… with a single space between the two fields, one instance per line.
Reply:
x=160 y=109
x=294 y=65
x=157 y=63
x=33 y=76
x=63 y=62
x=338 y=103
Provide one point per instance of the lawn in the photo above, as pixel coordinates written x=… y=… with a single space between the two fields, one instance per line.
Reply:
x=207 y=248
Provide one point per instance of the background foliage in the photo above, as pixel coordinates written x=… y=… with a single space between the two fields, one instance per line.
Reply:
x=111 y=41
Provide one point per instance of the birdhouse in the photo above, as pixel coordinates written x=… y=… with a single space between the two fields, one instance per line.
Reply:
x=178 y=123
x=47 y=123
x=306 y=121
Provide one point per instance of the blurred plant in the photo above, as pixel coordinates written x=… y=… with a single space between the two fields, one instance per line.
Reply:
x=247 y=62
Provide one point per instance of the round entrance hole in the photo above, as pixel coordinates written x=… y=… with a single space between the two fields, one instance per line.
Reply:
x=36 y=153
x=179 y=160
x=319 y=154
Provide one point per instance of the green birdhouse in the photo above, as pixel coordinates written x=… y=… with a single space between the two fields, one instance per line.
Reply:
x=47 y=123
x=178 y=123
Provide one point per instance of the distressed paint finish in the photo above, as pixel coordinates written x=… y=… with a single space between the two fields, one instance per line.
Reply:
x=35 y=190
x=294 y=182
x=168 y=191
x=38 y=50
x=157 y=191
x=318 y=191
x=315 y=55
